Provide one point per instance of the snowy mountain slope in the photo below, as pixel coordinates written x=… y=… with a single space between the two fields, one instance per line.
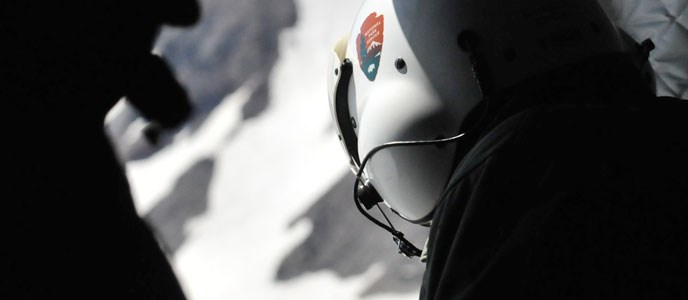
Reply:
x=342 y=241
x=235 y=41
x=234 y=197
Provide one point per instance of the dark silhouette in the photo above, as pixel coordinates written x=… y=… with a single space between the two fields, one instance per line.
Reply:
x=235 y=42
x=575 y=187
x=69 y=226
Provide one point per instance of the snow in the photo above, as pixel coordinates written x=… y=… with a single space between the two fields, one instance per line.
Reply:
x=269 y=170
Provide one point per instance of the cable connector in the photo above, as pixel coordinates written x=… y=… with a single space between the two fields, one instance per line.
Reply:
x=404 y=248
x=367 y=194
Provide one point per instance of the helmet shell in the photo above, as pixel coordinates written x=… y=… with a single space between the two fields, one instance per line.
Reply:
x=412 y=81
x=400 y=94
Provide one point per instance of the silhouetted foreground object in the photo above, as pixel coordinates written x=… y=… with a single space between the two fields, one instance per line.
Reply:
x=576 y=194
x=69 y=226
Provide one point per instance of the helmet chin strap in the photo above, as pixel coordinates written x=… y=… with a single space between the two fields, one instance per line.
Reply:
x=365 y=195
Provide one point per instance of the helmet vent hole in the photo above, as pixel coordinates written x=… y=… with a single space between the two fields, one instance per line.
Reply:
x=400 y=64
x=510 y=55
x=336 y=72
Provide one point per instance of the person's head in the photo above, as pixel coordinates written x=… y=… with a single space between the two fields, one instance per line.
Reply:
x=413 y=70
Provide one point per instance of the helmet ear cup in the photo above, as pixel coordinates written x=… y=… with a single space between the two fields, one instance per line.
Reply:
x=367 y=194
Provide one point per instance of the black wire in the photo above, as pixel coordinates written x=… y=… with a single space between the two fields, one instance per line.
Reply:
x=404 y=143
x=386 y=218
x=363 y=211
x=359 y=174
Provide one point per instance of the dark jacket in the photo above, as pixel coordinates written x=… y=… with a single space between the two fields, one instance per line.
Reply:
x=568 y=201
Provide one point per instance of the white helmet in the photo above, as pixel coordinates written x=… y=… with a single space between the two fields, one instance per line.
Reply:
x=406 y=73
